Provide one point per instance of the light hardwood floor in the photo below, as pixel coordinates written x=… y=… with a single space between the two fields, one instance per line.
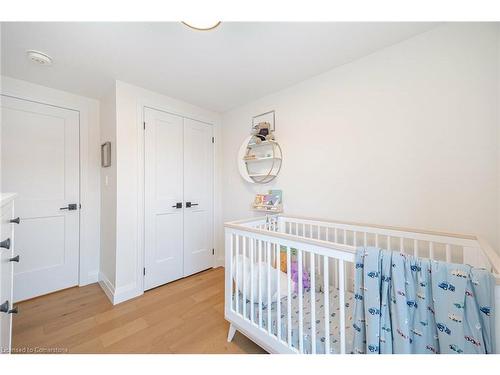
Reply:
x=186 y=316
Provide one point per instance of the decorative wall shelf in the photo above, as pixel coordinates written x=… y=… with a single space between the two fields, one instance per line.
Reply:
x=261 y=159
x=259 y=162
x=268 y=208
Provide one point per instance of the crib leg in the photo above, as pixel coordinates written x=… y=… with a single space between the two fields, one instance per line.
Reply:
x=230 y=334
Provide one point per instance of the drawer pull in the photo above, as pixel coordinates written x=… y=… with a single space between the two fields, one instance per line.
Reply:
x=17 y=220
x=4 y=307
x=15 y=310
x=15 y=259
x=5 y=244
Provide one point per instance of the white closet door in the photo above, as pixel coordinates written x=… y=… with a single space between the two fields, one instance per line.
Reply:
x=198 y=193
x=163 y=173
x=40 y=162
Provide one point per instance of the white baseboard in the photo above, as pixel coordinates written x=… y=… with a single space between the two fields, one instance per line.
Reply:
x=121 y=294
x=126 y=292
x=107 y=287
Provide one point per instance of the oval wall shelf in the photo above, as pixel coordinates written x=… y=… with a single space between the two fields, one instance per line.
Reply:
x=259 y=162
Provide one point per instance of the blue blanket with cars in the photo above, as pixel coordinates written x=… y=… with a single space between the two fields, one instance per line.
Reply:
x=405 y=304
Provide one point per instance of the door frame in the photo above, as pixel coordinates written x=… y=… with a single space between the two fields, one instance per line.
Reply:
x=141 y=183
x=88 y=119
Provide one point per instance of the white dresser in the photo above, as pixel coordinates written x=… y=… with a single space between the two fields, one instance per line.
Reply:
x=8 y=258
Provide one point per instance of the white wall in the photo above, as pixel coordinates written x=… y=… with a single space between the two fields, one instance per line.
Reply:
x=130 y=101
x=406 y=136
x=108 y=195
x=89 y=164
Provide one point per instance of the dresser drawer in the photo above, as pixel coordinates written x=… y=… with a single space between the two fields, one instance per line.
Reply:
x=6 y=275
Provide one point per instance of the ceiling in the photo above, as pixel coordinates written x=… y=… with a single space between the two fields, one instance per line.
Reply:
x=218 y=70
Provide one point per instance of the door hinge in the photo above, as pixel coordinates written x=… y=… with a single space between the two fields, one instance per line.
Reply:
x=144 y=125
x=213 y=251
x=213 y=139
x=144 y=271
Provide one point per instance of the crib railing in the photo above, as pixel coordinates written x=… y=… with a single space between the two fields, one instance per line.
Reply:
x=325 y=263
x=259 y=257
x=457 y=248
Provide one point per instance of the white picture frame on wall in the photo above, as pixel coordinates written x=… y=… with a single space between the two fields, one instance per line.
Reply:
x=269 y=117
x=106 y=154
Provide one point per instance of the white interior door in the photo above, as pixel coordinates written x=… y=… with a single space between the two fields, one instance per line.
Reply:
x=178 y=174
x=40 y=162
x=163 y=174
x=198 y=196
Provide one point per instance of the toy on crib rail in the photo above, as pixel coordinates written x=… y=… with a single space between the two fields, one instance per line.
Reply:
x=262 y=132
x=306 y=281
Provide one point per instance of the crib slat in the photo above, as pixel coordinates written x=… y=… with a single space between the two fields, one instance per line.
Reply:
x=335 y=235
x=364 y=239
x=448 y=253
x=252 y=261
x=415 y=248
x=268 y=254
x=289 y=296
x=431 y=250
x=278 y=298
x=261 y=276
x=313 y=304
x=345 y=237
x=342 y=305
x=231 y=270
x=326 y=303
x=376 y=240
x=237 y=261
x=244 y=276
x=401 y=245
x=301 y=307
x=389 y=243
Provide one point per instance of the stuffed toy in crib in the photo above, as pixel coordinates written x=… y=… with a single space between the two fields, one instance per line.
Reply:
x=306 y=280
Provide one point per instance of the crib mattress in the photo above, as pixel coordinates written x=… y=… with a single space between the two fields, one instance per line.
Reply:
x=334 y=319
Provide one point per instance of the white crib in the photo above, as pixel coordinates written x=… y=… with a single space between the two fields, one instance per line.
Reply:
x=326 y=250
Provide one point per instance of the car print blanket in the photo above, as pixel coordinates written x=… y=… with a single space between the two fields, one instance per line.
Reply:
x=405 y=304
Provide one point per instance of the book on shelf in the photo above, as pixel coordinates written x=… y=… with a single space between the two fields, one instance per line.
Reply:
x=272 y=201
x=249 y=157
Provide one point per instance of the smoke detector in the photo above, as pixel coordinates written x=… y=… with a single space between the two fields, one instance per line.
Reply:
x=39 y=58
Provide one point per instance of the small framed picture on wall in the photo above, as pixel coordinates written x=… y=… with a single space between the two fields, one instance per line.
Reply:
x=269 y=117
x=106 y=154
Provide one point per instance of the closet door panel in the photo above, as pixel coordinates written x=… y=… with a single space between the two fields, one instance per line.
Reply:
x=163 y=173
x=198 y=191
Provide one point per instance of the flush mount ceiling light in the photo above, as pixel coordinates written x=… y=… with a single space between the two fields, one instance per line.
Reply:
x=202 y=25
x=39 y=58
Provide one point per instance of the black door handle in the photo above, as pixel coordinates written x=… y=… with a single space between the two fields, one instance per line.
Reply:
x=177 y=205
x=17 y=220
x=70 y=207
x=189 y=204
x=15 y=259
x=5 y=244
